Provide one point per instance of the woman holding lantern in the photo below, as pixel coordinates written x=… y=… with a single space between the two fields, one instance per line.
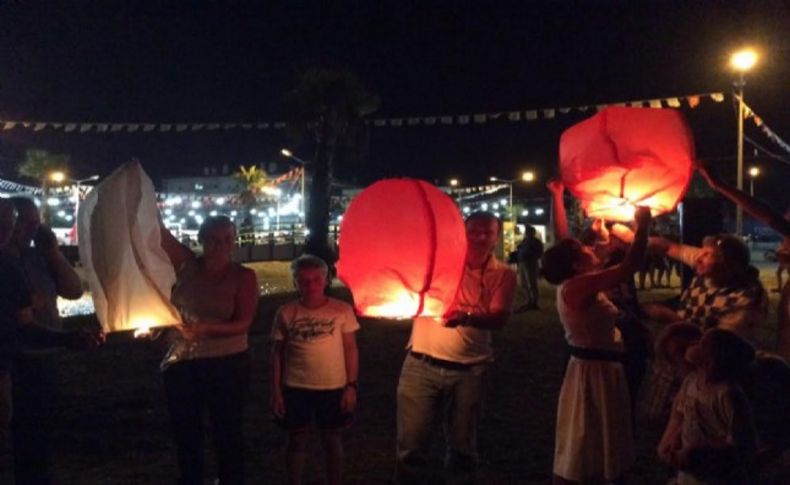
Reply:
x=207 y=365
x=593 y=434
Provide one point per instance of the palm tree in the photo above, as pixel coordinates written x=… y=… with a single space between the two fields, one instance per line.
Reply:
x=41 y=165
x=255 y=184
x=329 y=106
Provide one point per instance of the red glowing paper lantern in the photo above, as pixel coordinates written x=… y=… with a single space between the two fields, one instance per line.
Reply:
x=626 y=157
x=402 y=250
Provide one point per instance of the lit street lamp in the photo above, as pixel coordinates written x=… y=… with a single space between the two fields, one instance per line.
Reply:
x=753 y=173
x=742 y=61
x=289 y=154
x=525 y=177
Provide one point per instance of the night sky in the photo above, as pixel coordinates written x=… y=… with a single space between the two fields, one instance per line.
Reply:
x=209 y=61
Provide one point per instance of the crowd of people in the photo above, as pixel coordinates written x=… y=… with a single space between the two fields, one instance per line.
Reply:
x=701 y=373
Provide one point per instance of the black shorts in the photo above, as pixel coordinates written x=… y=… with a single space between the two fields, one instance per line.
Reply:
x=308 y=408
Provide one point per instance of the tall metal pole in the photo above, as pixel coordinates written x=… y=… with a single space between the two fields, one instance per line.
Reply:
x=738 y=210
x=751 y=186
x=302 y=201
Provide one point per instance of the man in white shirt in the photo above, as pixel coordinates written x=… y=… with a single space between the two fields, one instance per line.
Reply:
x=447 y=361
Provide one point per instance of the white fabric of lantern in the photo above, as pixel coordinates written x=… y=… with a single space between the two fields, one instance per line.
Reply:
x=129 y=274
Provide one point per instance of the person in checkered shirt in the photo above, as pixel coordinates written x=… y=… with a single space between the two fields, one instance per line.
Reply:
x=725 y=292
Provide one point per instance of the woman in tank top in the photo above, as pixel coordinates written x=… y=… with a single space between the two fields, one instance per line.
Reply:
x=207 y=366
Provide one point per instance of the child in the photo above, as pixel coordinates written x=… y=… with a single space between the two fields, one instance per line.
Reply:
x=314 y=368
x=670 y=367
x=710 y=436
x=593 y=438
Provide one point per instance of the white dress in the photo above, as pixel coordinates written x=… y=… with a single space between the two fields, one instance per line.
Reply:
x=593 y=434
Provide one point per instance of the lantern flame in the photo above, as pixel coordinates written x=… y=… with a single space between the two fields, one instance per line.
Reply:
x=142 y=326
x=399 y=305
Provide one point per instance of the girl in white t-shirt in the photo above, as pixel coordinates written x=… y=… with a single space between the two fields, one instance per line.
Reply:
x=593 y=439
x=314 y=368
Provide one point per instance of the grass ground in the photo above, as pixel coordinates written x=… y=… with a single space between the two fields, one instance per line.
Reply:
x=112 y=425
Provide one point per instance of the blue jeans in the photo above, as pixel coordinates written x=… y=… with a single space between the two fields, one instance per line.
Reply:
x=427 y=394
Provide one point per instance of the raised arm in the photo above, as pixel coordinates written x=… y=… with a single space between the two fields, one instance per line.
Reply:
x=752 y=206
x=557 y=189
x=580 y=290
x=177 y=252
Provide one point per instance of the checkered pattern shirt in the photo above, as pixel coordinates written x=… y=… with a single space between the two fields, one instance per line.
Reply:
x=704 y=304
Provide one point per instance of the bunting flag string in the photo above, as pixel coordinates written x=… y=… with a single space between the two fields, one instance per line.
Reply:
x=748 y=113
x=533 y=114
x=13 y=187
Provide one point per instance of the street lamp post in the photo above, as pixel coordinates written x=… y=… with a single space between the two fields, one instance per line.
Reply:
x=289 y=154
x=525 y=177
x=742 y=61
x=753 y=173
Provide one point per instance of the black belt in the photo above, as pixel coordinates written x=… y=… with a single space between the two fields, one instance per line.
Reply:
x=444 y=364
x=597 y=354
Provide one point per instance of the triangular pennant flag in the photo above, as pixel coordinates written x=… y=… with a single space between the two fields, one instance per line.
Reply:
x=149 y=127
x=228 y=126
x=116 y=127
x=132 y=127
x=655 y=103
x=600 y=107
x=85 y=127
x=102 y=127
x=8 y=125
x=379 y=122
x=413 y=121
x=494 y=116
x=447 y=120
x=673 y=102
x=262 y=126
x=244 y=126
x=165 y=127
x=430 y=120
x=548 y=113
x=514 y=116
x=463 y=119
x=197 y=126
x=565 y=110
x=718 y=97
x=57 y=126
x=396 y=122
x=532 y=115
x=693 y=101
x=181 y=127
x=479 y=118
x=70 y=127
x=620 y=105
x=279 y=125
x=39 y=126
x=212 y=126
x=582 y=108
x=758 y=121
x=26 y=124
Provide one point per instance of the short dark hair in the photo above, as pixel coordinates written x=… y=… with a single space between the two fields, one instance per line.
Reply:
x=483 y=216
x=558 y=261
x=682 y=331
x=212 y=222
x=530 y=230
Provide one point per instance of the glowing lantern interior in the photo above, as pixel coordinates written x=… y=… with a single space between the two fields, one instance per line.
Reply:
x=624 y=157
x=129 y=274
x=402 y=250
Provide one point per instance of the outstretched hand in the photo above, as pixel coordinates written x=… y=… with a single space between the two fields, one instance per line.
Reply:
x=555 y=186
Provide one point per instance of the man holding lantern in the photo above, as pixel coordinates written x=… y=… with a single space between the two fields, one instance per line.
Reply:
x=444 y=371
